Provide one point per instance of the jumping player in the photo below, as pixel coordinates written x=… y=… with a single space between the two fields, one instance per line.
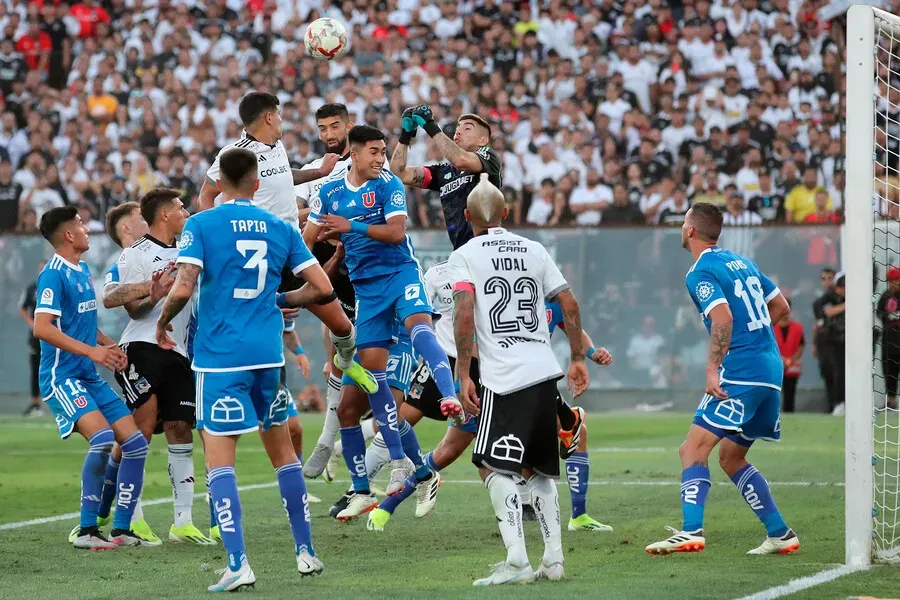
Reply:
x=743 y=382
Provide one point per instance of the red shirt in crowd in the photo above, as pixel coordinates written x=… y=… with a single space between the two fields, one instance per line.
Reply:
x=31 y=48
x=789 y=340
x=88 y=17
x=829 y=218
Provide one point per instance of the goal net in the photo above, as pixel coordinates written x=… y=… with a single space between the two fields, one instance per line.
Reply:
x=871 y=251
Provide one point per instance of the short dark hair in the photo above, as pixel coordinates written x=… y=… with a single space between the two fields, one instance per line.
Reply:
x=236 y=164
x=828 y=270
x=706 y=218
x=55 y=218
x=333 y=109
x=363 y=134
x=477 y=119
x=255 y=104
x=154 y=200
x=116 y=214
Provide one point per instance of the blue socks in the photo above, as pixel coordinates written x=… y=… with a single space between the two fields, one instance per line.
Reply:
x=694 y=489
x=300 y=458
x=223 y=493
x=109 y=487
x=296 y=504
x=354 y=451
x=384 y=409
x=429 y=460
x=101 y=444
x=131 y=478
x=755 y=490
x=391 y=503
x=412 y=450
x=577 y=471
x=425 y=343
x=209 y=501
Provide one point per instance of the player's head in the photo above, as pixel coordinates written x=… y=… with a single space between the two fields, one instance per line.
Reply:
x=367 y=151
x=163 y=210
x=827 y=277
x=238 y=174
x=124 y=224
x=259 y=112
x=702 y=226
x=62 y=227
x=472 y=132
x=333 y=122
x=485 y=206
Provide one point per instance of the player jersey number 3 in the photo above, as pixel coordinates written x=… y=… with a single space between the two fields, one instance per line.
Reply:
x=524 y=292
x=755 y=301
x=255 y=253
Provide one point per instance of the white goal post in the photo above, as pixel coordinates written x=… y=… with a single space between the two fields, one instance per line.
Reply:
x=872 y=444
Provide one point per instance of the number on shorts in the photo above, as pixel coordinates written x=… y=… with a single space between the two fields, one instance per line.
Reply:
x=256 y=261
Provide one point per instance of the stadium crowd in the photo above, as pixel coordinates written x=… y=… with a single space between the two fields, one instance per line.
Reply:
x=605 y=112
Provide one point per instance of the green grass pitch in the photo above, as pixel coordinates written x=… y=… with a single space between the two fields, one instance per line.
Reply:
x=635 y=483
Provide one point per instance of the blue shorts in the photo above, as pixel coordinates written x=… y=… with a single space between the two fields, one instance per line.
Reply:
x=381 y=300
x=236 y=402
x=469 y=425
x=73 y=397
x=284 y=390
x=751 y=412
x=400 y=365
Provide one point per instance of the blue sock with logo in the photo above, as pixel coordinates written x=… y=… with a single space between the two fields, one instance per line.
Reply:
x=578 y=468
x=109 y=487
x=223 y=493
x=391 y=503
x=384 y=409
x=131 y=478
x=429 y=460
x=101 y=444
x=425 y=343
x=695 y=484
x=755 y=490
x=412 y=450
x=354 y=450
x=296 y=504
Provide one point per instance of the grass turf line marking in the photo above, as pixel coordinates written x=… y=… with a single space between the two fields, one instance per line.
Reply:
x=803 y=583
x=258 y=486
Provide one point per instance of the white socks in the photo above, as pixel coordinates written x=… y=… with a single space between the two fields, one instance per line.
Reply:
x=345 y=348
x=368 y=429
x=524 y=488
x=181 y=475
x=332 y=426
x=545 y=500
x=377 y=456
x=508 y=509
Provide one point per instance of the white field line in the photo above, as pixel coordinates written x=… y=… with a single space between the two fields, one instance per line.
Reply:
x=803 y=583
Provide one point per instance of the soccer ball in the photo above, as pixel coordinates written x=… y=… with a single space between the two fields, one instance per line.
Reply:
x=326 y=39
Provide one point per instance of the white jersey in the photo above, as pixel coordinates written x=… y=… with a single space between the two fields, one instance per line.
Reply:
x=439 y=289
x=276 y=182
x=511 y=277
x=307 y=191
x=137 y=264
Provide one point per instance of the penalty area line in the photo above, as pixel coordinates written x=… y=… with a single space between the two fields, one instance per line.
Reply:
x=804 y=583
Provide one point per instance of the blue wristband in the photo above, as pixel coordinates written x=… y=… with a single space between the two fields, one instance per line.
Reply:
x=360 y=228
x=299 y=351
x=281 y=300
x=590 y=352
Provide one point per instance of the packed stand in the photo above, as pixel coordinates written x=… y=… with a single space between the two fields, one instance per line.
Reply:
x=606 y=112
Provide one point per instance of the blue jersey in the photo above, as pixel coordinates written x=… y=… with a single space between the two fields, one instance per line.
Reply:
x=554 y=316
x=66 y=291
x=242 y=250
x=722 y=277
x=112 y=275
x=373 y=203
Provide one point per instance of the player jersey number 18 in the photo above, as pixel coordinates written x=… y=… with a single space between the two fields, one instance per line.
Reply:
x=760 y=316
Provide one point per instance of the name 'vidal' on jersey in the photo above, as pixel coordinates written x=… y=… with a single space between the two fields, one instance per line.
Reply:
x=373 y=203
x=138 y=264
x=512 y=277
x=722 y=277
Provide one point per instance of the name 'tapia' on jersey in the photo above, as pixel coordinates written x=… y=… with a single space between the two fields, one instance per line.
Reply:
x=722 y=277
x=138 y=264
x=373 y=203
x=242 y=250
x=439 y=288
x=512 y=277
x=276 y=182
x=66 y=291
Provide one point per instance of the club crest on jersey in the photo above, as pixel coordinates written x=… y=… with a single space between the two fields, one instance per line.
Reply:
x=334 y=206
x=81 y=402
x=705 y=291
x=47 y=296
x=80 y=289
x=369 y=199
x=398 y=199
x=316 y=204
x=187 y=238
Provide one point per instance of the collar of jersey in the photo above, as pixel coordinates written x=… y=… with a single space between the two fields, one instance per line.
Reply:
x=240 y=202
x=493 y=231
x=253 y=139
x=157 y=242
x=67 y=263
x=710 y=249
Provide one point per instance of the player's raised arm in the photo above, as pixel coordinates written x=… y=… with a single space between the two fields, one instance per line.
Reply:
x=307 y=175
x=463 y=160
x=208 y=192
x=190 y=264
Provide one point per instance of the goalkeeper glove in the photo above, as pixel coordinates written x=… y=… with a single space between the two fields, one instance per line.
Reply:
x=424 y=118
x=408 y=125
